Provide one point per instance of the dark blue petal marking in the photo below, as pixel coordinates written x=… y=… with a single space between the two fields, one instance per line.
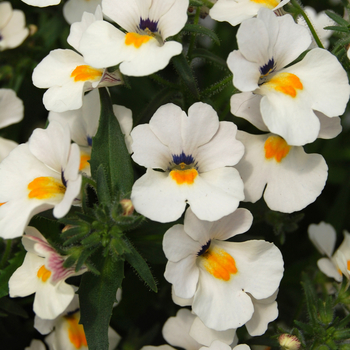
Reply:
x=89 y=140
x=183 y=158
x=204 y=248
x=268 y=67
x=63 y=179
x=70 y=313
x=147 y=23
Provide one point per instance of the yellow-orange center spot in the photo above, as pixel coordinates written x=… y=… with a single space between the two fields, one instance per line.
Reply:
x=339 y=271
x=84 y=158
x=270 y=4
x=348 y=265
x=276 y=147
x=85 y=72
x=76 y=332
x=45 y=187
x=287 y=83
x=43 y=273
x=2 y=203
x=219 y=263
x=184 y=176
x=136 y=39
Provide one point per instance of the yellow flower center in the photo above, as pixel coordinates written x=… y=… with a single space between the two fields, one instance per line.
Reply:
x=287 y=83
x=136 y=39
x=183 y=175
x=219 y=263
x=348 y=265
x=76 y=332
x=45 y=187
x=270 y=4
x=43 y=273
x=276 y=147
x=85 y=73
x=84 y=161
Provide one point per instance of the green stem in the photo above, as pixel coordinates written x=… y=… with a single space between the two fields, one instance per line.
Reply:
x=300 y=11
x=217 y=86
x=163 y=81
x=193 y=36
x=6 y=253
x=208 y=3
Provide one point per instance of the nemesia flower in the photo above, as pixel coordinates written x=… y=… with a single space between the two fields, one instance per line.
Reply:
x=319 y=21
x=73 y=9
x=218 y=345
x=217 y=274
x=289 y=95
x=289 y=342
x=36 y=176
x=83 y=124
x=11 y=111
x=196 y=154
x=289 y=178
x=68 y=334
x=12 y=27
x=144 y=49
x=236 y=11
x=324 y=237
x=67 y=76
x=42 y=273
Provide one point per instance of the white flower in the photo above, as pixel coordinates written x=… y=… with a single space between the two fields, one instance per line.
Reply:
x=218 y=345
x=42 y=273
x=36 y=176
x=289 y=178
x=83 y=124
x=41 y=3
x=196 y=154
x=36 y=345
x=67 y=77
x=12 y=26
x=319 y=21
x=324 y=237
x=289 y=95
x=73 y=10
x=236 y=11
x=217 y=274
x=143 y=50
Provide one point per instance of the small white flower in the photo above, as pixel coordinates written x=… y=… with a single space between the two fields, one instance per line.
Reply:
x=195 y=154
x=73 y=10
x=143 y=49
x=218 y=274
x=42 y=273
x=41 y=3
x=236 y=11
x=12 y=27
x=36 y=176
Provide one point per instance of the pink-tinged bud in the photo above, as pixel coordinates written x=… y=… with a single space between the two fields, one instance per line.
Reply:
x=67 y=227
x=127 y=206
x=289 y=342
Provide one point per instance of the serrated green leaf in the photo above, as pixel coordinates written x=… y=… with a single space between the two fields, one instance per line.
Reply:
x=74 y=239
x=304 y=327
x=70 y=261
x=208 y=55
x=97 y=295
x=103 y=190
x=141 y=267
x=336 y=18
x=109 y=149
x=185 y=72
x=310 y=297
x=338 y=29
x=7 y=272
x=196 y=28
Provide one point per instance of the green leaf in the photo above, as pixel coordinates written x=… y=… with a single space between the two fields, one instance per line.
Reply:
x=6 y=273
x=338 y=29
x=336 y=18
x=109 y=149
x=11 y=307
x=196 y=28
x=185 y=72
x=97 y=295
x=103 y=191
x=310 y=296
x=141 y=267
x=83 y=256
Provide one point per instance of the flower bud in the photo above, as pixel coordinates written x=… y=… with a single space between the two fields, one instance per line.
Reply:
x=289 y=342
x=127 y=206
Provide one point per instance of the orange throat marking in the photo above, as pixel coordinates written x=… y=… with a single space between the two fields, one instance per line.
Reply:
x=270 y=4
x=276 y=147
x=76 y=332
x=85 y=73
x=136 y=39
x=84 y=161
x=43 y=273
x=45 y=187
x=287 y=83
x=219 y=263
x=186 y=176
